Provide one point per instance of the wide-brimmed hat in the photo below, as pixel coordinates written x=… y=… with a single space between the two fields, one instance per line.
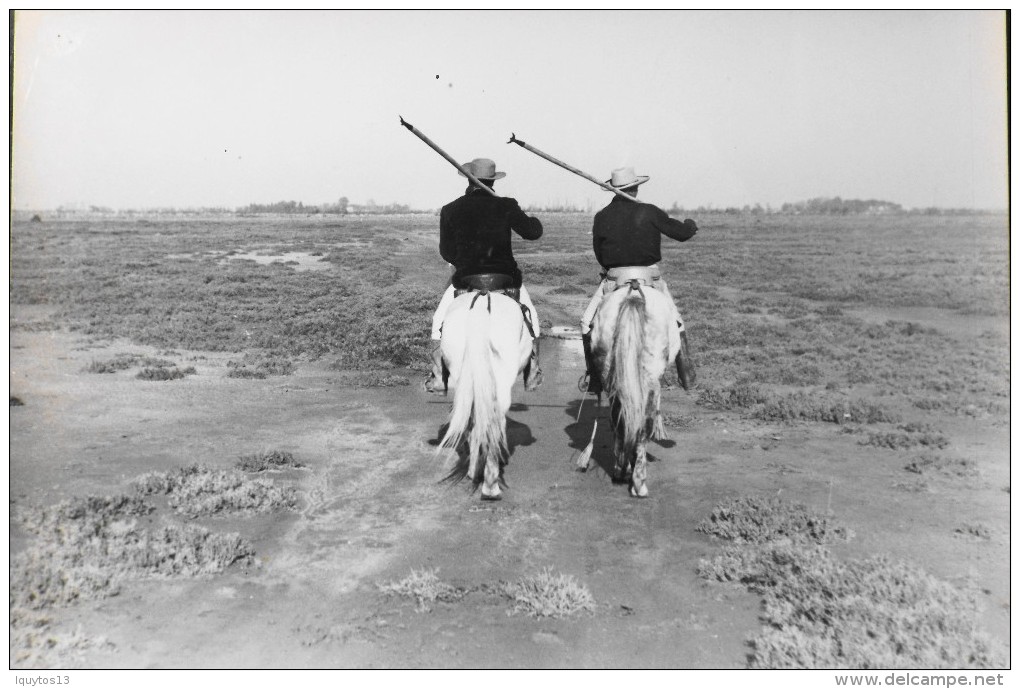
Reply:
x=624 y=177
x=483 y=168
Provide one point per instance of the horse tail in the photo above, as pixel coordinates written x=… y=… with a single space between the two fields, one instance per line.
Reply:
x=476 y=413
x=625 y=378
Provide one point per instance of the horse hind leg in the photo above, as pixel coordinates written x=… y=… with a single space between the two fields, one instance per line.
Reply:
x=496 y=457
x=497 y=454
x=622 y=467
x=639 y=477
x=658 y=431
x=490 y=483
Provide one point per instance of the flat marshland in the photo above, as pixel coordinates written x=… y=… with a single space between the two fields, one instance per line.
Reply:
x=847 y=445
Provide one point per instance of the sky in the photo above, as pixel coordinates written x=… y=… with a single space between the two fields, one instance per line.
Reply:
x=720 y=108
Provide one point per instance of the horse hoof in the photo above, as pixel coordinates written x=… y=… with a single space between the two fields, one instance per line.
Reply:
x=491 y=498
x=641 y=492
x=433 y=387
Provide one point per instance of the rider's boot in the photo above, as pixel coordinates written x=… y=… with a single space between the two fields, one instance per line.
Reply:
x=594 y=379
x=435 y=383
x=684 y=366
x=532 y=372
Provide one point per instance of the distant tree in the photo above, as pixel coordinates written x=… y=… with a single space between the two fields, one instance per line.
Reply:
x=839 y=206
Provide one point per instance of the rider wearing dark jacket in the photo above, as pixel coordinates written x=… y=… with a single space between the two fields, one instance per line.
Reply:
x=627 y=234
x=474 y=234
x=474 y=237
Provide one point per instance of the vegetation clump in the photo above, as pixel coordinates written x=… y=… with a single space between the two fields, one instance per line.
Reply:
x=821 y=612
x=763 y=520
x=796 y=406
x=268 y=461
x=196 y=491
x=548 y=595
x=118 y=363
x=122 y=362
x=975 y=529
x=164 y=373
x=87 y=547
x=904 y=440
x=374 y=379
x=932 y=463
x=740 y=396
x=34 y=643
x=260 y=366
x=678 y=420
x=862 y=614
x=424 y=587
x=799 y=406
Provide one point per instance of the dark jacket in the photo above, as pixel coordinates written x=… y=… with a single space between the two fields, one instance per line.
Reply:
x=474 y=234
x=628 y=234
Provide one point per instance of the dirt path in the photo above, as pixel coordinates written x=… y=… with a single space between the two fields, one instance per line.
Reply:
x=372 y=511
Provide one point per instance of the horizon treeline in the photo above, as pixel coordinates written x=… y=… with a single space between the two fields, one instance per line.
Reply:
x=342 y=207
x=816 y=206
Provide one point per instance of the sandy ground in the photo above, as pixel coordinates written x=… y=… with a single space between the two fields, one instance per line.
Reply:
x=372 y=510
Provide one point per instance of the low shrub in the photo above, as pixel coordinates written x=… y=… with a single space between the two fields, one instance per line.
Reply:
x=820 y=612
x=947 y=466
x=900 y=440
x=86 y=547
x=975 y=529
x=197 y=491
x=548 y=595
x=374 y=379
x=799 y=406
x=260 y=365
x=767 y=519
x=119 y=363
x=741 y=396
x=678 y=420
x=267 y=461
x=161 y=373
x=424 y=587
x=863 y=614
x=245 y=372
x=34 y=643
x=796 y=406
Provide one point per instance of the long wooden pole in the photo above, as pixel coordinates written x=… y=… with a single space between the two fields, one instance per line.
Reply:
x=446 y=155
x=571 y=168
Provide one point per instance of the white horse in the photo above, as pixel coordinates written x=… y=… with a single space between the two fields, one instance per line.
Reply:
x=634 y=337
x=485 y=344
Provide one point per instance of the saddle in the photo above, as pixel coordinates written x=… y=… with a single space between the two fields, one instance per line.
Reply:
x=488 y=282
x=485 y=283
x=625 y=276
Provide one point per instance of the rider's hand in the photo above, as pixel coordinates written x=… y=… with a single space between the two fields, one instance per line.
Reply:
x=690 y=225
